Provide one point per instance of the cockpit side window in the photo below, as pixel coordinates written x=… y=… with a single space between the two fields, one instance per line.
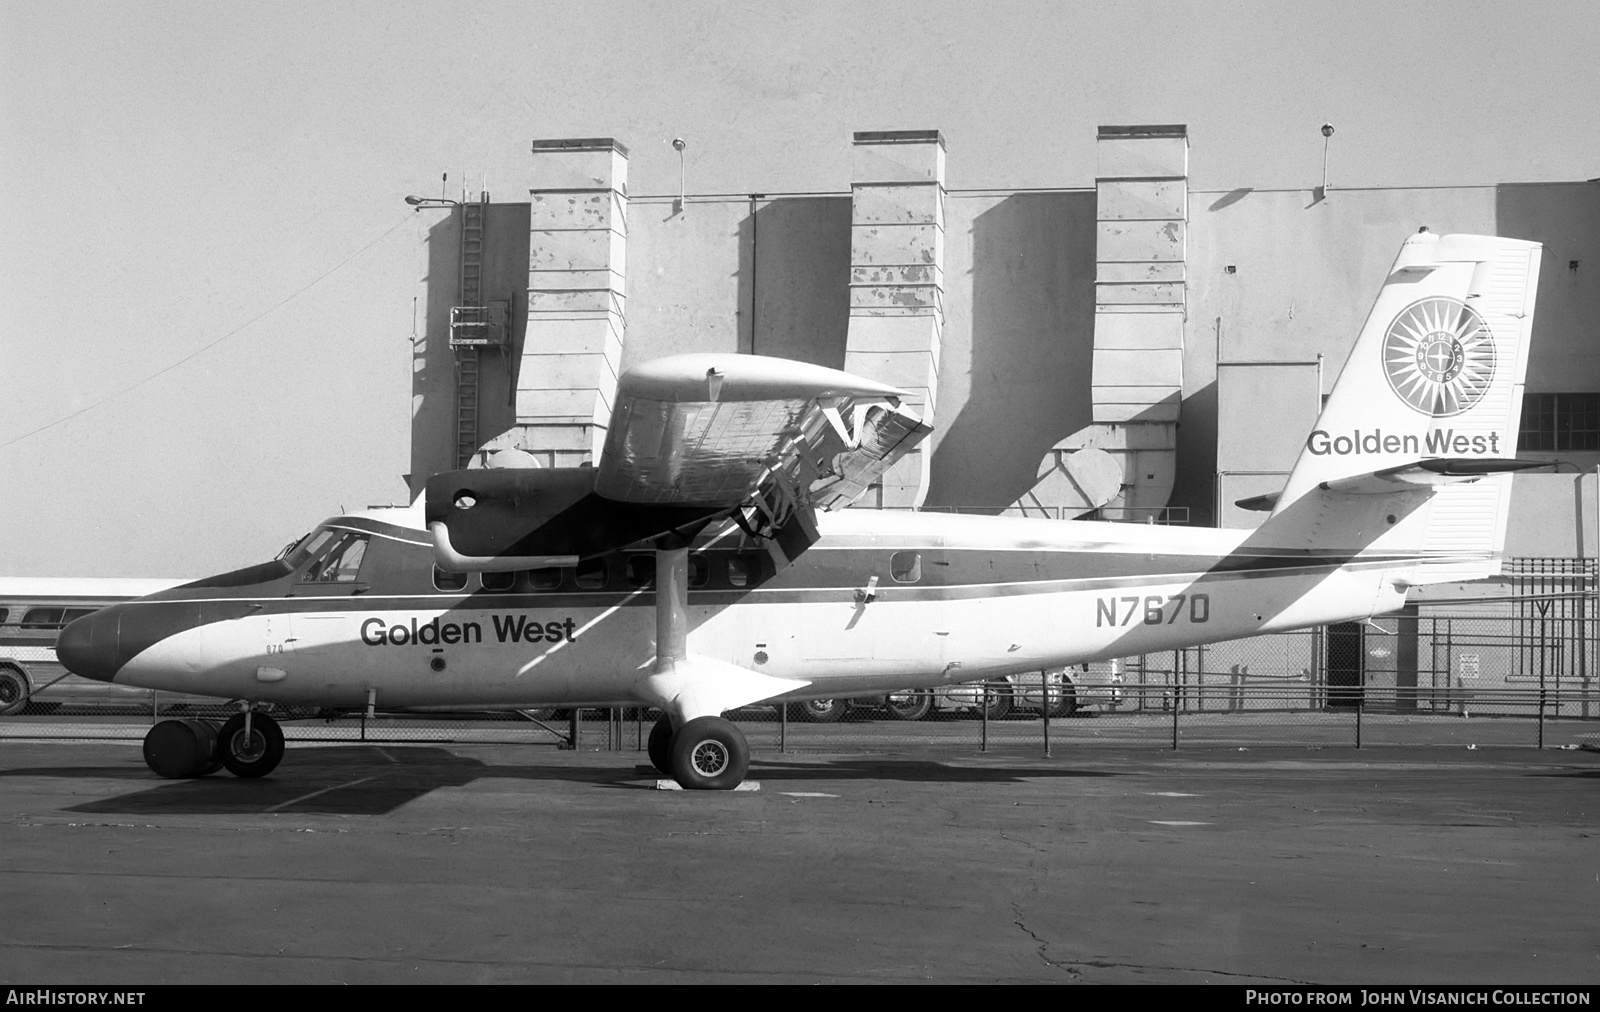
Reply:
x=342 y=564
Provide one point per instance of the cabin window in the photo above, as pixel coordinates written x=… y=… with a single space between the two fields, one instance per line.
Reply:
x=548 y=578
x=591 y=574
x=498 y=582
x=342 y=564
x=905 y=567
x=450 y=583
x=4 y=614
x=43 y=618
x=50 y=618
x=641 y=571
x=744 y=569
x=699 y=571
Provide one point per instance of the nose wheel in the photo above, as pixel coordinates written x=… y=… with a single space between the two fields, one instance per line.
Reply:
x=252 y=753
x=708 y=754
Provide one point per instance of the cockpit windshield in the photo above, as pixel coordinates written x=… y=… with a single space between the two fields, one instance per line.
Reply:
x=308 y=546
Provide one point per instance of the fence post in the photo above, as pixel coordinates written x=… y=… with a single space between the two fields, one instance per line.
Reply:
x=1044 y=705
x=1361 y=703
x=574 y=725
x=783 y=728
x=983 y=717
x=1541 y=711
x=1176 y=663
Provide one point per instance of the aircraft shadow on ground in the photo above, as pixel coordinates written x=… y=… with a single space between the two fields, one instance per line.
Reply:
x=1593 y=774
x=355 y=780
x=367 y=780
x=912 y=771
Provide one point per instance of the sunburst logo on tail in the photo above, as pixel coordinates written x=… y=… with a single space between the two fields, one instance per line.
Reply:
x=1439 y=356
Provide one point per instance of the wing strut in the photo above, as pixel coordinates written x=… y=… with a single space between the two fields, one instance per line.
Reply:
x=672 y=600
x=681 y=684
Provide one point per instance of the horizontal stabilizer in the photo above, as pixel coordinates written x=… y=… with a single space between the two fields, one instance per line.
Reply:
x=1424 y=474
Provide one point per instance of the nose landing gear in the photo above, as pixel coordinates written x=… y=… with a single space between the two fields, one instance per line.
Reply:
x=248 y=744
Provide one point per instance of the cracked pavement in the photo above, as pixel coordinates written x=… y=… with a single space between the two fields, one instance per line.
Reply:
x=519 y=863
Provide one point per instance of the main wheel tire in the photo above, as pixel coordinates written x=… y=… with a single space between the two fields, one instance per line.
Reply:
x=13 y=691
x=912 y=704
x=255 y=756
x=818 y=711
x=709 y=754
x=181 y=749
x=998 y=705
x=660 y=745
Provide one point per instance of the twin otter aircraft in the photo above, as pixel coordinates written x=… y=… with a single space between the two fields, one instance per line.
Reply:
x=703 y=563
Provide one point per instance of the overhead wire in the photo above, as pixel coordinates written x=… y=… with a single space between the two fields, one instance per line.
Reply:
x=207 y=347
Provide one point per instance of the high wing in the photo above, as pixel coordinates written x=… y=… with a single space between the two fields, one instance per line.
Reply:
x=692 y=437
x=719 y=429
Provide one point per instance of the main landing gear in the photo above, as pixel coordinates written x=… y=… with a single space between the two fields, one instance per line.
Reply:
x=705 y=754
x=249 y=745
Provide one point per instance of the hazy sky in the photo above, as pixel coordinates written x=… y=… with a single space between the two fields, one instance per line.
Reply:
x=175 y=176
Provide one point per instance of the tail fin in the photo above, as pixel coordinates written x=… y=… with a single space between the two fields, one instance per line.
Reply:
x=1436 y=375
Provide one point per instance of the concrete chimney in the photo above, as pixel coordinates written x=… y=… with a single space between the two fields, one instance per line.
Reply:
x=897 y=282
x=567 y=377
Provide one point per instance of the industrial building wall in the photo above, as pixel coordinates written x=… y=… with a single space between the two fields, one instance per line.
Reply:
x=1304 y=274
x=771 y=274
x=1566 y=218
x=1018 y=342
x=1274 y=276
x=1279 y=276
x=433 y=378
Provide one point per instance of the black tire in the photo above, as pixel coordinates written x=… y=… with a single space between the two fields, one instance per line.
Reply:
x=709 y=754
x=910 y=704
x=1064 y=698
x=660 y=745
x=181 y=749
x=818 y=711
x=998 y=704
x=253 y=758
x=14 y=691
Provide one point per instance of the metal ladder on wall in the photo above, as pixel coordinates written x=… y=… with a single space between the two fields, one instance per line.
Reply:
x=463 y=324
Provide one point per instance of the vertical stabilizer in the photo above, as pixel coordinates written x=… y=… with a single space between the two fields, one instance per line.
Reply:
x=1436 y=374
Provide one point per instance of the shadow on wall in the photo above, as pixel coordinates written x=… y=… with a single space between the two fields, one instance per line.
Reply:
x=794 y=279
x=1565 y=217
x=1032 y=353
x=433 y=369
x=1196 y=485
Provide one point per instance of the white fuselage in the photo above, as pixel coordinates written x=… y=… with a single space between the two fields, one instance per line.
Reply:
x=976 y=597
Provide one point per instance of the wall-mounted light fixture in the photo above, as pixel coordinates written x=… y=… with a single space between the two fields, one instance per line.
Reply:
x=1327 y=135
x=420 y=202
x=678 y=145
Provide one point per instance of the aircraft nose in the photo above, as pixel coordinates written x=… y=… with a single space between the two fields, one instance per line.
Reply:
x=88 y=646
